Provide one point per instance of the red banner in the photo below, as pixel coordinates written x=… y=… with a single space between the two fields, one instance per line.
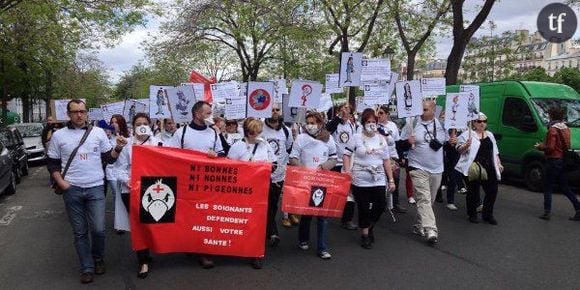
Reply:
x=183 y=201
x=315 y=192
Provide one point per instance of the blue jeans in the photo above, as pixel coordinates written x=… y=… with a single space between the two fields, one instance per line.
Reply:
x=322 y=228
x=85 y=208
x=553 y=173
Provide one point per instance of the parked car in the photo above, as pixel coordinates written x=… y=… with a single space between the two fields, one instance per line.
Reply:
x=31 y=134
x=13 y=141
x=7 y=177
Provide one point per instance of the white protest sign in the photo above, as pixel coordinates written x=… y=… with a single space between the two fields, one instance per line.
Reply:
x=158 y=102
x=361 y=105
x=409 y=99
x=375 y=93
x=112 y=109
x=198 y=91
x=95 y=114
x=325 y=103
x=305 y=94
x=221 y=91
x=331 y=85
x=60 y=109
x=243 y=87
x=391 y=86
x=260 y=99
x=473 y=100
x=292 y=114
x=131 y=108
x=279 y=89
x=432 y=87
x=145 y=102
x=181 y=101
x=235 y=108
x=456 y=110
x=374 y=70
x=350 y=69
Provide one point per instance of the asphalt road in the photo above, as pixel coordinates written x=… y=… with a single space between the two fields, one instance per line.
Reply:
x=522 y=252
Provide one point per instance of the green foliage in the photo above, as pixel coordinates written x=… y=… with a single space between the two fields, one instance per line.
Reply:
x=537 y=74
x=568 y=76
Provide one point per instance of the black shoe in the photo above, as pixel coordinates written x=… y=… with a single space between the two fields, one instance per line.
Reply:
x=100 y=267
x=206 y=262
x=399 y=209
x=490 y=220
x=545 y=216
x=86 y=278
x=365 y=242
x=257 y=263
x=142 y=274
x=120 y=233
x=473 y=220
x=274 y=241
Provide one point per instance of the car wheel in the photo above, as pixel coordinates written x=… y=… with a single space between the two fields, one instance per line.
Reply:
x=25 y=169
x=11 y=189
x=18 y=174
x=534 y=176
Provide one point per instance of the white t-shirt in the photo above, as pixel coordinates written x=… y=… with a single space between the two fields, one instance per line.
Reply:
x=342 y=136
x=280 y=144
x=86 y=168
x=232 y=138
x=312 y=152
x=368 y=154
x=197 y=138
x=394 y=136
x=164 y=136
x=245 y=152
x=422 y=156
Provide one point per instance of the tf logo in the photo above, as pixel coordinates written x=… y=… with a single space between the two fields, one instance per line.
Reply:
x=317 y=196
x=158 y=196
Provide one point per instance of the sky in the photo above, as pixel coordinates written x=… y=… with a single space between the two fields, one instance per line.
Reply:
x=508 y=15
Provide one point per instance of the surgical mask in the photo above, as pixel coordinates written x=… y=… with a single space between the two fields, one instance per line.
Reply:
x=312 y=129
x=209 y=120
x=143 y=130
x=371 y=127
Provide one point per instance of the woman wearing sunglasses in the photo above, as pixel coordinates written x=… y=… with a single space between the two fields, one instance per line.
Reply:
x=481 y=167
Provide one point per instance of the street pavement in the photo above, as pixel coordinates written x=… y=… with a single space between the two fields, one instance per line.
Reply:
x=522 y=252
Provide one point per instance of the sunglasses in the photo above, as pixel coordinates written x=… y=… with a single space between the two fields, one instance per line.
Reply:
x=481 y=121
x=276 y=110
x=381 y=113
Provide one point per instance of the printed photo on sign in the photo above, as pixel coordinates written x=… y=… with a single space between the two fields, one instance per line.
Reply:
x=431 y=87
x=318 y=193
x=473 y=100
x=456 y=110
x=409 y=99
x=112 y=109
x=158 y=196
x=133 y=107
x=221 y=91
x=260 y=99
x=350 y=69
x=375 y=70
x=305 y=94
x=158 y=103
x=332 y=84
x=181 y=100
x=292 y=114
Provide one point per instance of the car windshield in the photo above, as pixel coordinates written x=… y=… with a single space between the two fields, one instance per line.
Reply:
x=571 y=109
x=30 y=130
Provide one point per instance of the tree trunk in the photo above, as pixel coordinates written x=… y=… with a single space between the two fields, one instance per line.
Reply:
x=48 y=93
x=4 y=93
x=454 y=62
x=411 y=65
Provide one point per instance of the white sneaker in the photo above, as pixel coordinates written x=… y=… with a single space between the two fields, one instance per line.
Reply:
x=304 y=246
x=412 y=200
x=431 y=237
x=479 y=208
x=462 y=190
x=451 y=206
x=443 y=187
x=419 y=231
x=325 y=255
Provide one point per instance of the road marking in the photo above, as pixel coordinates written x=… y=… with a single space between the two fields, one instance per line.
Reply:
x=10 y=215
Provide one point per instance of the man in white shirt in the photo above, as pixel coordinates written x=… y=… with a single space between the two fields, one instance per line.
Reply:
x=169 y=129
x=82 y=185
x=425 y=138
x=200 y=137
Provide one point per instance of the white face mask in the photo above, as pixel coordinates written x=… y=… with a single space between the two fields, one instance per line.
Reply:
x=371 y=127
x=143 y=130
x=209 y=120
x=312 y=129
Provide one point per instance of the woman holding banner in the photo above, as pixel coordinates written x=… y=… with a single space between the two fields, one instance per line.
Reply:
x=252 y=148
x=314 y=149
x=369 y=155
x=481 y=166
x=142 y=136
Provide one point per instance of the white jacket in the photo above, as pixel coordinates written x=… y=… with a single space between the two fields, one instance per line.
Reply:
x=468 y=157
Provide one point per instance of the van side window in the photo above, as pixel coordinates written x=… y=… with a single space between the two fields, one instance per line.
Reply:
x=517 y=114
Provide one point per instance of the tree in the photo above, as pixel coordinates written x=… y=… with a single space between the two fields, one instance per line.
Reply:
x=415 y=24
x=537 y=74
x=568 y=76
x=462 y=36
